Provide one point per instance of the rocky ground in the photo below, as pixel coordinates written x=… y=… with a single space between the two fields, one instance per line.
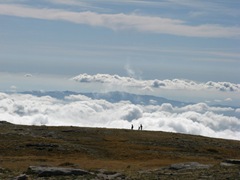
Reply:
x=41 y=152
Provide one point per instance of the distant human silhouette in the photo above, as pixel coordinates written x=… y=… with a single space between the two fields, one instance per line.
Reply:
x=132 y=127
x=141 y=127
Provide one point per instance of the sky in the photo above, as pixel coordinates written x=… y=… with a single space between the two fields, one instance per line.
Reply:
x=186 y=50
x=44 y=44
x=167 y=39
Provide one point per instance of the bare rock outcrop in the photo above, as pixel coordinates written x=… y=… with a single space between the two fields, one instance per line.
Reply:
x=42 y=171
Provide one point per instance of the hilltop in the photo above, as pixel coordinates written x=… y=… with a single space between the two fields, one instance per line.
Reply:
x=115 y=153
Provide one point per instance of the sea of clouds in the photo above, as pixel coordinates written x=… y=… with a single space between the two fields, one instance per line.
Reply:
x=80 y=110
x=180 y=84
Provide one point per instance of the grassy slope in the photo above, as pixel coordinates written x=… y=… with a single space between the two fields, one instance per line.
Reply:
x=112 y=149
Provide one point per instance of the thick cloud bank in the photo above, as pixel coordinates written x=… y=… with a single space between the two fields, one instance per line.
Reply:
x=79 y=110
x=151 y=84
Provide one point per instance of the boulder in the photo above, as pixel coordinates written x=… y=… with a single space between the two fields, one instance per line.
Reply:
x=188 y=165
x=102 y=174
x=21 y=177
x=42 y=171
x=232 y=161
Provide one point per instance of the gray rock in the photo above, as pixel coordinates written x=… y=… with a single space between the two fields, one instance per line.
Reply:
x=21 y=177
x=226 y=164
x=110 y=175
x=188 y=165
x=2 y=170
x=232 y=161
x=55 y=171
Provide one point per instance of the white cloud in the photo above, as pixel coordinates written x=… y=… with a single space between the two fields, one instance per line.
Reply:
x=121 y=21
x=210 y=7
x=77 y=97
x=228 y=99
x=150 y=84
x=219 y=7
x=28 y=75
x=202 y=107
x=69 y=2
x=166 y=107
x=130 y=71
x=75 y=3
x=130 y=112
x=107 y=78
x=223 y=86
x=78 y=110
x=13 y=88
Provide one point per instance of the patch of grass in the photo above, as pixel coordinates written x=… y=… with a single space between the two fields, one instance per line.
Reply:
x=212 y=150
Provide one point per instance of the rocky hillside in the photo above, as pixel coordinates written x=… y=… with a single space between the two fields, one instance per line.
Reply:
x=41 y=152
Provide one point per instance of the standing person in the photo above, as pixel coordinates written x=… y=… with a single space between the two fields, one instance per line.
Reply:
x=141 y=127
x=132 y=127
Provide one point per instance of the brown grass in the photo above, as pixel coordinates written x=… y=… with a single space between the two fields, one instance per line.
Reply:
x=100 y=148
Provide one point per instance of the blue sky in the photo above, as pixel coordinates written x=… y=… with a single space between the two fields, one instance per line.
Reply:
x=197 y=40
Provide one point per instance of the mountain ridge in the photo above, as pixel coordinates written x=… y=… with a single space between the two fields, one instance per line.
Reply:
x=117 y=96
x=112 y=96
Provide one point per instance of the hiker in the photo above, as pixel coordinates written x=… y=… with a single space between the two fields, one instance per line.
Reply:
x=141 y=127
x=132 y=127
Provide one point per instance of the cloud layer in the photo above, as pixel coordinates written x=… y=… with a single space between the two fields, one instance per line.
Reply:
x=150 y=84
x=122 y=21
x=79 y=110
